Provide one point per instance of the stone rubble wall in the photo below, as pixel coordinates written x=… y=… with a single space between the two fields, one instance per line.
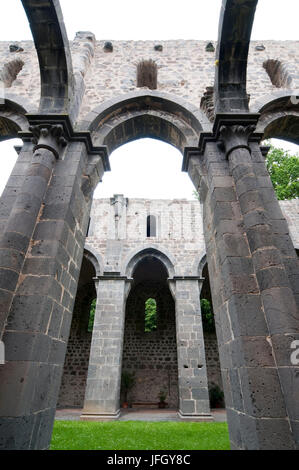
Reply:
x=151 y=355
x=179 y=234
x=185 y=68
x=160 y=345
x=73 y=384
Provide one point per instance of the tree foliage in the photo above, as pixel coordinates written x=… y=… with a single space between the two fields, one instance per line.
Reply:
x=207 y=315
x=150 y=315
x=91 y=315
x=284 y=173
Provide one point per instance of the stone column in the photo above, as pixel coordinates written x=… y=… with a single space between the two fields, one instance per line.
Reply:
x=39 y=318
x=192 y=371
x=102 y=397
x=253 y=300
x=269 y=266
x=14 y=243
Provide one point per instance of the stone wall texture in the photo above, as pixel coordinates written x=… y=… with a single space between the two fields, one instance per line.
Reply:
x=114 y=240
x=179 y=231
x=185 y=68
x=151 y=355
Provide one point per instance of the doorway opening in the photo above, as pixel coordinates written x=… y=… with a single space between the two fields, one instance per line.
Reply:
x=150 y=349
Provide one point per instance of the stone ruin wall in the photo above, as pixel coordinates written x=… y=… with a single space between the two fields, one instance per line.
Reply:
x=180 y=234
x=72 y=389
x=185 y=68
x=179 y=231
x=151 y=355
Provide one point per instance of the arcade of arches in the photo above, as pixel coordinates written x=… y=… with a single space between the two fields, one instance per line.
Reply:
x=88 y=104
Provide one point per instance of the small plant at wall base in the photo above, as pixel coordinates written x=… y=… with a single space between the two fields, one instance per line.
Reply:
x=128 y=381
x=216 y=396
x=162 y=397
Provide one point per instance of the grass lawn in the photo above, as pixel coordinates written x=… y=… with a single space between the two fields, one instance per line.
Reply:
x=139 y=435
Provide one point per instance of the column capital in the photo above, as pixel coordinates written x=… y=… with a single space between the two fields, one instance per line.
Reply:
x=231 y=120
x=186 y=278
x=173 y=280
x=235 y=137
x=49 y=136
x=224 y=120
x=112 y=276
x=61 y=126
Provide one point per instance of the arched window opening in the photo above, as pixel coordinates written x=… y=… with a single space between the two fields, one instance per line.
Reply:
x=147 y=74
x=278 y=73
x=150 y=323
x=91 y=315
x=151 y=226
x=10 y=71
x=150 y=347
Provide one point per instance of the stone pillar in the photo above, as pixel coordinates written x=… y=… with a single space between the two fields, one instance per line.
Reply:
x=192 y=370
x=39 y=318
x=269 y=266
x=102 y=398
x=19 y=228
x=253 y=300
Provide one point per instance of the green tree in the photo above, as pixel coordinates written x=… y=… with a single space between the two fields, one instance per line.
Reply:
x=150 y=315
x=284 y=173
x=207 y=315
x=91 y=315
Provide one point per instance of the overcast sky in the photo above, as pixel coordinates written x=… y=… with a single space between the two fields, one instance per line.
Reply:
x=141 y=168
x=157 y=19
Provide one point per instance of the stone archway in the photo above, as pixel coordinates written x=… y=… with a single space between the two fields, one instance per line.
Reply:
x=151 y=355
x=279 y=118
x=178 y=364
x=209 y=333
x=152 y=114
x=254 y=266
x=52 y=46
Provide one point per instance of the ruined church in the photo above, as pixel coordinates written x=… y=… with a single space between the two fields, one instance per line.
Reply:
x=73 y=102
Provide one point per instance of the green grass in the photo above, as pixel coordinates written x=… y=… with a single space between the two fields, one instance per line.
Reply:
x=139 y=435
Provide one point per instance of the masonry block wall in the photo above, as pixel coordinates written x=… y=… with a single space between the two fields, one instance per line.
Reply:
x=179 y=230
x=180 y=234
x=151 y=355
x=57 y=217
x=212 y=359
x=185 y=68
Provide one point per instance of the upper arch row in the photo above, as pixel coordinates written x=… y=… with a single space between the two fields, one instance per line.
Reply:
x=63 y=76
x=157 y=115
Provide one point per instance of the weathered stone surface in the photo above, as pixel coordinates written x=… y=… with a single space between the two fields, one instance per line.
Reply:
x=45 y=209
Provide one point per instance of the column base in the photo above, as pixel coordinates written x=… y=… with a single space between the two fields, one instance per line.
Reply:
x=100 y=416
x=195 y=417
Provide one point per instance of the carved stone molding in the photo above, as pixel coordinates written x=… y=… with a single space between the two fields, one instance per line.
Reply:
x=56 y=130
x=231 y=131
x=235 y=137
x=49 y=136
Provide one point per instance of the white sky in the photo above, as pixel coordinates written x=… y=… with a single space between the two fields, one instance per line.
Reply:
x=142 y=168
